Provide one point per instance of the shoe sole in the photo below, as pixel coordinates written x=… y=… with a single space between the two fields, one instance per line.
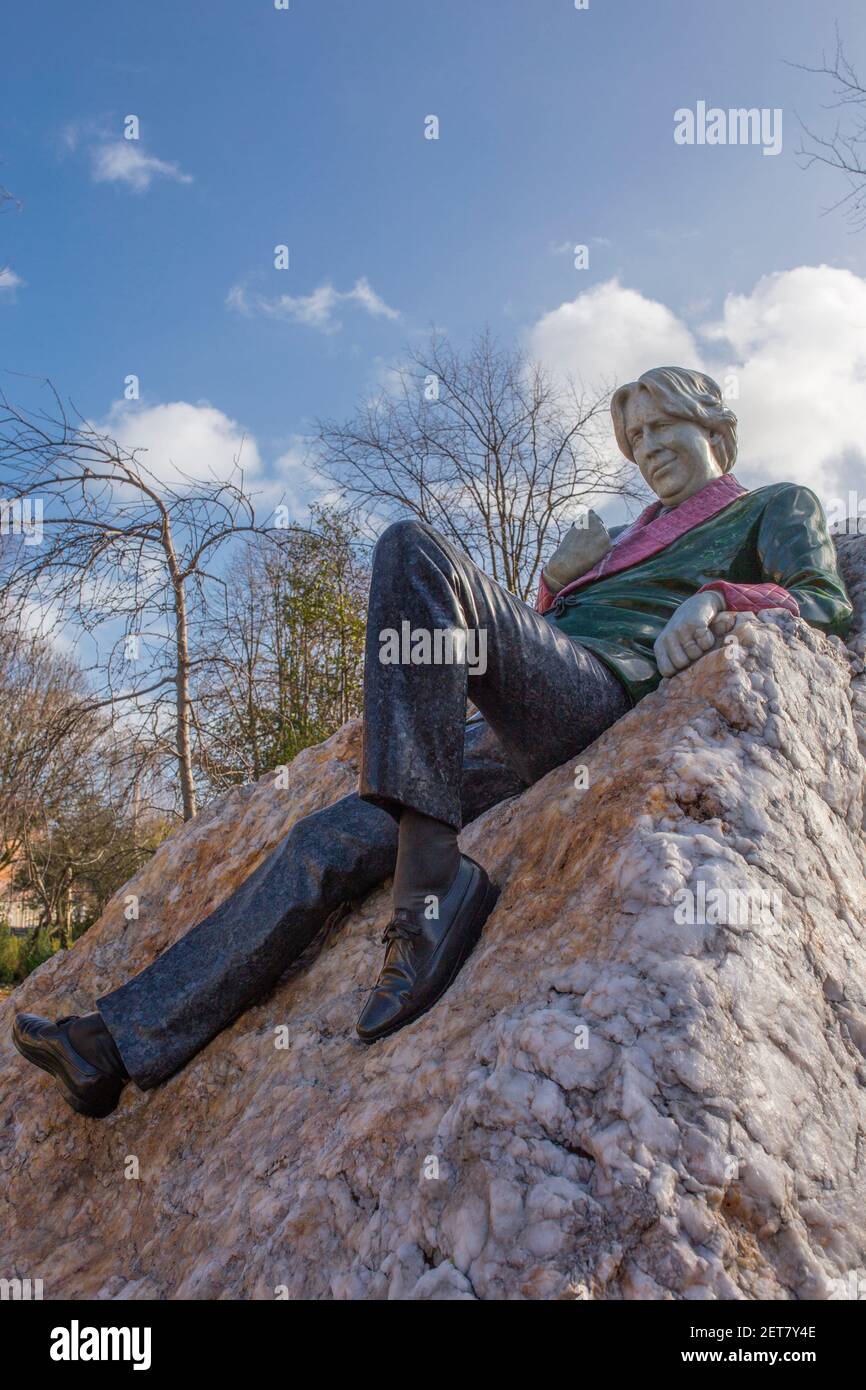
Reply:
x=482 y=912
x=32 y=1053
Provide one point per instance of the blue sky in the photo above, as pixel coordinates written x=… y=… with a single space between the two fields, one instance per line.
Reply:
x=306 y=127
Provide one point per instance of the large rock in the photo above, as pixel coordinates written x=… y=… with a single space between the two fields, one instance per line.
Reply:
x=613 y=1101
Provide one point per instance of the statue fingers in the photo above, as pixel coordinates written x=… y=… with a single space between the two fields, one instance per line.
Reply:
x=692 y=647
x=676 y=653
x=723 y=623
x=663 y=661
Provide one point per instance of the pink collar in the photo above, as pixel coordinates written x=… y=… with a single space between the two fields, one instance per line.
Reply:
x=651 y=533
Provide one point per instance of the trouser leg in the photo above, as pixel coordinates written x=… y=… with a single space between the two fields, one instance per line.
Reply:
x=544 y=698
x=167 y=1013
x=544 y=695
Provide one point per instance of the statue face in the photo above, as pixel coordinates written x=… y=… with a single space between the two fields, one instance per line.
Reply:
x=674 y=456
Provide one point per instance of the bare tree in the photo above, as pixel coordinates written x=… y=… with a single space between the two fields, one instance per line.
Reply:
x=37 y=686
x=291 y=641
x=70 y=825
x=485 y=446
x=844 y=147
x=81 y=832
x=127 y=558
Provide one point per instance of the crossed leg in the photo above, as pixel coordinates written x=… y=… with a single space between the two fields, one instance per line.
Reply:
x=166 y=1014
x=543 y=698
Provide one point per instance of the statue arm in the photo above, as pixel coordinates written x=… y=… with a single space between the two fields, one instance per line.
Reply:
x=798 y=565
x=797 y=572
x=751 y=598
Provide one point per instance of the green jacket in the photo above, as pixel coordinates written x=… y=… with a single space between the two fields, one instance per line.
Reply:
x=775 y=535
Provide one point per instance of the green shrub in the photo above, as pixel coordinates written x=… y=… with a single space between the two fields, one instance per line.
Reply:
x=10 y=952
x=34 y=951
x=21 y=954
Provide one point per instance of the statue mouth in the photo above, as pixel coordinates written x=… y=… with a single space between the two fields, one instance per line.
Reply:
x=660 y=467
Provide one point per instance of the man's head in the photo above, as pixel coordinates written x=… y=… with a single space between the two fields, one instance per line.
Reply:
x=674 y=424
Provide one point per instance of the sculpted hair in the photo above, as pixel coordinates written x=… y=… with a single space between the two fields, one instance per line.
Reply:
x=684 y=395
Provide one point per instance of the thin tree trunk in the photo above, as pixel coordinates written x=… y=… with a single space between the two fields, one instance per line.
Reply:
x=182 y=697
x=184 y=720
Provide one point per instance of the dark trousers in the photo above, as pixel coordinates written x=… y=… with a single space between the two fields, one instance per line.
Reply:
x=542 y=699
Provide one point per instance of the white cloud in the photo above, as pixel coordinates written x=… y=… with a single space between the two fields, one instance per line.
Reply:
x=568 y=248
x=180 y=441
x=124 y=161
x=297 y=482
x=184 y=440
x=9 y=281
x=315 y=310
x=42 y=617
x=74 y=132
x=610 y=334
x=795 y=346
x=237 y=299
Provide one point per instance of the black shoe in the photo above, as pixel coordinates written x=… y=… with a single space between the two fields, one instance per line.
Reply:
x=88 y=1089
x=424 y=957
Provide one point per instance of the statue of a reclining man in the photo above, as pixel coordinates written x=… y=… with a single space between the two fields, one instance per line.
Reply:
x=610 y=621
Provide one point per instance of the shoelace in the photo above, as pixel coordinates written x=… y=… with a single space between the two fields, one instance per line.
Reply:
x=400 y=928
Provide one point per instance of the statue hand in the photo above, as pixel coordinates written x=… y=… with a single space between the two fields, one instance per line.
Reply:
x=581 y=548
x=691 y=632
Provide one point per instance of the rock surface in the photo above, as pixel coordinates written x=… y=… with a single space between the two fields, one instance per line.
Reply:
x=614 y=1101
